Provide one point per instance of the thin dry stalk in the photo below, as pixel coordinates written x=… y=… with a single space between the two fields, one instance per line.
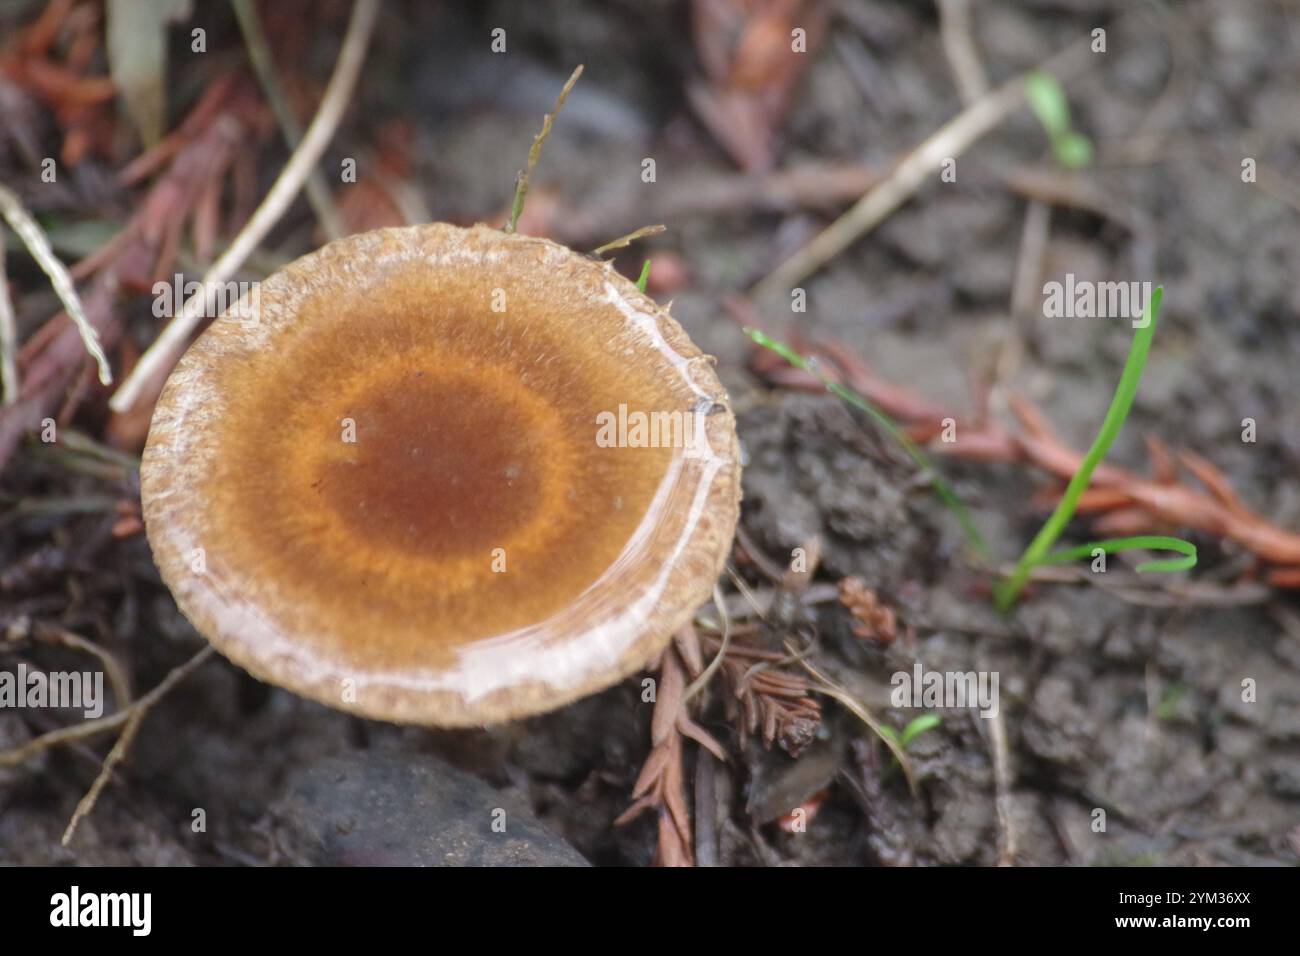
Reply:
x=535 y=152
x=259 y=53
x=622 y=242
x=702 y=681
x=100 y=725
x=1008 y=843
x=8 y=339
x=949 y=141
x=959 y=48
x=113 y=670
x=115 y=756
x=135 y=715
x=33 y=237
x=168 y=346
x=1025 y=284
x=833 y=690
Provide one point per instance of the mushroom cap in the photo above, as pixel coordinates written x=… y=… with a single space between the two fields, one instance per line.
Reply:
x=386 y=482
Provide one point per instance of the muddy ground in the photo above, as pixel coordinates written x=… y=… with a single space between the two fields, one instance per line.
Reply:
x=1129 y=703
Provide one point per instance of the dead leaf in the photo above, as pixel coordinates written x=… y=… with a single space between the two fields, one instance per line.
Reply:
x=137 y=59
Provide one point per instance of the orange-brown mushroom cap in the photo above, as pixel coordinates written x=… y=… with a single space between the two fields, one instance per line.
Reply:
x=441 y=475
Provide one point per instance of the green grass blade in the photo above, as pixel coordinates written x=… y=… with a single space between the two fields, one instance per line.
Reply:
x=890 y=427
x=1149 y=542
x=1120 y=406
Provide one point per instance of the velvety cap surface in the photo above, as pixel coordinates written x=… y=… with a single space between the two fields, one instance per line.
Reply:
x=442 y=475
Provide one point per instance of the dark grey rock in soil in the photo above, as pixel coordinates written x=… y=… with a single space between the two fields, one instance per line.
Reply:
x=370 y=808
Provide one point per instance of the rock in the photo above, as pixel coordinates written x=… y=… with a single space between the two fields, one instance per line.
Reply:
x=371 y=808
x=1285 y=777
x=781 y=784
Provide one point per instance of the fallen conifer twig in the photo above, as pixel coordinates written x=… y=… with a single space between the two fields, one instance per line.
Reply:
x=873 y=620
x=144 y=249
x=765 y=701
x=50 y=362
x=1136 y=504
x=661 y=785
x=165 y=350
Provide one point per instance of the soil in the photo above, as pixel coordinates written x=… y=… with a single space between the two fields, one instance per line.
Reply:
x=1114 y=705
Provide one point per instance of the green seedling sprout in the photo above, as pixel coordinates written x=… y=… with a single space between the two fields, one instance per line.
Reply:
x=1047 y=99
x=1167 y=709
x=1038 y=551
x=914 y=729
x=645 y=276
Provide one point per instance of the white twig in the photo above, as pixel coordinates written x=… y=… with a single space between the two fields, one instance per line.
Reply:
x=8 y=338
x=134 y=717
x=33 y=237
x=1008 y=843
x=959 y=47
x=259 y=53
x=947 y=142
x=100 y=725
x=168 y=346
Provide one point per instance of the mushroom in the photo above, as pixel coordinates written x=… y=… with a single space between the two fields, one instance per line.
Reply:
x=442 y=476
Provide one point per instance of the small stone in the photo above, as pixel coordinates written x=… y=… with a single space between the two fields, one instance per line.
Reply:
x=370 y=808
